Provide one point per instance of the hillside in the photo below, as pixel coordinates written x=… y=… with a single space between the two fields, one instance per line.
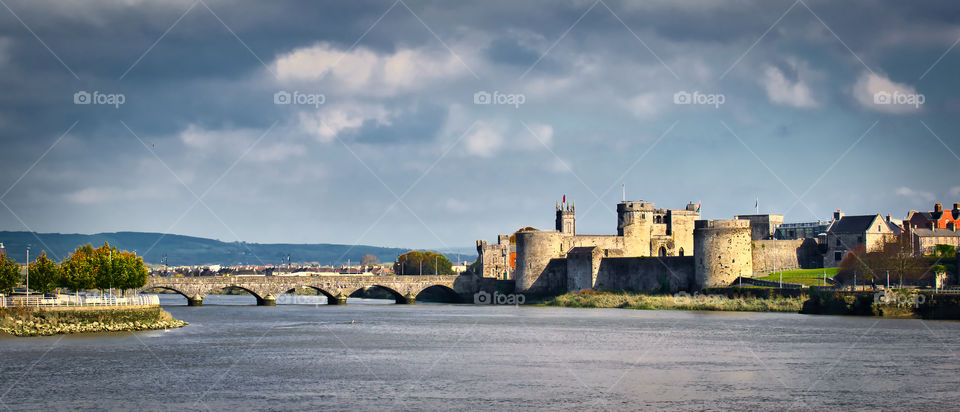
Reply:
x=188 y=250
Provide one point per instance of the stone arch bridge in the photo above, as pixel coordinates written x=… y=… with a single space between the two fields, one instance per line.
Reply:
x=336 y=288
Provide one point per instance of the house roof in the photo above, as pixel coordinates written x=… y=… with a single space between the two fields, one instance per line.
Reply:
x=936 y=233
x=581 y=249
x=853 y=224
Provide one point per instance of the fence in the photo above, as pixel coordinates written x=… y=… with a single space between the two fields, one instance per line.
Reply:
x=78 y=300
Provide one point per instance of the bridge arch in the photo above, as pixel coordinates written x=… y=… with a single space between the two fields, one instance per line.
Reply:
x=397 y=296
x=170 y=288
x=438 y=293
x=257 y=295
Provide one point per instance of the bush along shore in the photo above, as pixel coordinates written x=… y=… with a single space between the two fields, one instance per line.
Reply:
x=895 y=303
x=721 y=299
x=44 y=322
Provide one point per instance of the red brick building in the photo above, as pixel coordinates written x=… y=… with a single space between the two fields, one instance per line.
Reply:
x=936 y=219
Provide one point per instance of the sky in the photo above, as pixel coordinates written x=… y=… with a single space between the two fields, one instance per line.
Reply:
x=430 y=124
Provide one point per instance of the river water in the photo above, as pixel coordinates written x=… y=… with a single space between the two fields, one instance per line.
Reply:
x=370 y=356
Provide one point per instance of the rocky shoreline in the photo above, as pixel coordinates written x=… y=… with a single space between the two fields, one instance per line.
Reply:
x=42 y=322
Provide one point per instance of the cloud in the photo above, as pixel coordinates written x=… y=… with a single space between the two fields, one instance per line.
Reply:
x=236 y=141
x=915 y=194
x=644 y=105
x=955 y=192
x=330 y=123
x=879 y=93
x=542 y=133
x=782 y=91
x=485 y=141
x=363 y=71
x=105 y=194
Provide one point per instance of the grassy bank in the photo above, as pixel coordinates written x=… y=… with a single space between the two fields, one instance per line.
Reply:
x=808 y=277
x=716 y=302
x=40 y=322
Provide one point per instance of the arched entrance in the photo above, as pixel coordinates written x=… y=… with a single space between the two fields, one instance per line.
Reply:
x=662 y=252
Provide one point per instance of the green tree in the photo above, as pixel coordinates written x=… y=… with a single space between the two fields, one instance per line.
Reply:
x=78 y=270
x=9 y=273
x=129 y=270
x=423 y=262
x=44 y=274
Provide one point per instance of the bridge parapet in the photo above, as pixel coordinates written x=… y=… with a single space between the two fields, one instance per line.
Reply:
x=336 y=288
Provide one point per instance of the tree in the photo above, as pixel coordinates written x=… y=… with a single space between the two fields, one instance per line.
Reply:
x=422 y=262
x=369 y=260
x=78 y=271
x=129 y=270
x=9 y=273
x=44 y=274
x=895 y=258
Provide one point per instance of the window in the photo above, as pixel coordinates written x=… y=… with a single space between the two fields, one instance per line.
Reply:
x=837 y=256
x=658 y=219
x=663 y=251
x=681 y=252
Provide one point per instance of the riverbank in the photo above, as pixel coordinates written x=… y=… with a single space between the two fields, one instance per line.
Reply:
x=23 y=321
x=680 y=301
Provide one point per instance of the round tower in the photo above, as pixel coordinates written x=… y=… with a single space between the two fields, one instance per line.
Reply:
x=721 y=250
x=534 y=251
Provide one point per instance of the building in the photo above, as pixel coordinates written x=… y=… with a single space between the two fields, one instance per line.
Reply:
x=762 y=226
x=847 y=233
x=935 y=219
x=924 y=241
x=802 y=230
x=654 y=249
x=496 y=260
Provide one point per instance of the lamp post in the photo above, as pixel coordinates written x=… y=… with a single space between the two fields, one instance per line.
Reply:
x=28 y=271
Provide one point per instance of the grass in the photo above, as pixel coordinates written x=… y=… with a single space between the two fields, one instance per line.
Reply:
x=808 y=277
x=628 y=300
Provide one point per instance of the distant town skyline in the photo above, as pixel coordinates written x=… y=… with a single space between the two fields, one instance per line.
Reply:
x=429 y=125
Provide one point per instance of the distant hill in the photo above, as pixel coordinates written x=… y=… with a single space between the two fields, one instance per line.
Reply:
x=188 y=250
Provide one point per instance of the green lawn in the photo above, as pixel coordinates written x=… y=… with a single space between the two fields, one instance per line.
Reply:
x=809 y=277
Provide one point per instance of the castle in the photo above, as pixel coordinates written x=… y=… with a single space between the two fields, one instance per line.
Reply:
x=653 y=250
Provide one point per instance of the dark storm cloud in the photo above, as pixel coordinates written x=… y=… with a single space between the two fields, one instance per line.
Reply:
x=200 y=100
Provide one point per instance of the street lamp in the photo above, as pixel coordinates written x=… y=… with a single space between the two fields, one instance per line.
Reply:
x=28 y=271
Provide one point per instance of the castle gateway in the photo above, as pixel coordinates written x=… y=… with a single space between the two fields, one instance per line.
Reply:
x=654 y=250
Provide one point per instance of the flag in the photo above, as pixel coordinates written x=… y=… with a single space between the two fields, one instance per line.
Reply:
x=698 y=208
x=564 y=199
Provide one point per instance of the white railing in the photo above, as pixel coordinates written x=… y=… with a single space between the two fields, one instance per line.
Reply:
x=78 y=300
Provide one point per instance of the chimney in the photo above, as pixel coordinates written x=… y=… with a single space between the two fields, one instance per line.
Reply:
x=937 y=207
x=888 y=218
x=956 y=206
x=837 y=215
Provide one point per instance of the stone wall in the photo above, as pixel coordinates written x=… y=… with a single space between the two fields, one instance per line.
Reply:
x=789 y=254
x=646 y=274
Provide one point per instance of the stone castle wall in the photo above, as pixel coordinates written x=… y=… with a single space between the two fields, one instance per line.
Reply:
x=646 y=274
x=789 y=254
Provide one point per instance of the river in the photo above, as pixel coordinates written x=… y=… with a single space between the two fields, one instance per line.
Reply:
x=370 y=356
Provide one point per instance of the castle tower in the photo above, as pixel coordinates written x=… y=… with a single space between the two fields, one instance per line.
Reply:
x=566 y=219
x=633 y=223
x=721 y=251
x=535 y=250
